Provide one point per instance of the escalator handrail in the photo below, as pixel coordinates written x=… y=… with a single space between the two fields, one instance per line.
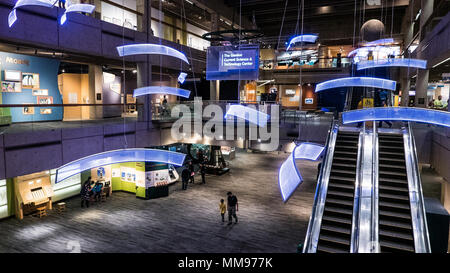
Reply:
x=356 y=202
x=315 y=220
x=417 y=204
x=375 y=198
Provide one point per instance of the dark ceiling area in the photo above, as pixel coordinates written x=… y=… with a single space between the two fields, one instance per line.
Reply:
x=334 y=21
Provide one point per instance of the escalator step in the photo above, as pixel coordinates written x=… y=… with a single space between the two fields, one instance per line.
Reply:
x=335 y=177
x=390 y=160
x=395 y=224
x=395 y=246
x=390 y=188
x=345 y=153
x=337 y=219
x=395 y=214
x=336 y=229
x=392 y=180
x=342 y=186
x=340 y=193
x=335 y=239
x=392 y=153
x=340 y=202
x=394 y=234
x=401 y=167
x=393 y=205
x=341 y=165
x=394 y=196
x=339 y=210
x=336 y=170
x=326 y=249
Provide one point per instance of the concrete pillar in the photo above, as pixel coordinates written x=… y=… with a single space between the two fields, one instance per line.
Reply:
x=406 y=85
x=144 y=22
x=214 y=90
x=95 y=91
x=421 y=88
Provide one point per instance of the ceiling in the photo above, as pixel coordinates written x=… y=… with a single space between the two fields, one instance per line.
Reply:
x=334 y=20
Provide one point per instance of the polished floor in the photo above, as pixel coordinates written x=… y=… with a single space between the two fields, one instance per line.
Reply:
x=186 y=221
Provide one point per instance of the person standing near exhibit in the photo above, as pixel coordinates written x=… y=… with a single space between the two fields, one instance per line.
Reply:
x=233 y=207
x=223 y=209
x=86 y=193
x=185 y=175
x=203 y=172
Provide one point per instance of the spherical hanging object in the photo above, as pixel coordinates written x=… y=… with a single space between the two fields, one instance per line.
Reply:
x=372 y=30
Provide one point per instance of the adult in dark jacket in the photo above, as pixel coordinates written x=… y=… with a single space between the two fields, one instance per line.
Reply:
x=185 y=176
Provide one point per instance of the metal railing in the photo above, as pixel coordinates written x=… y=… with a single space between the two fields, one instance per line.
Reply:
x=417 y=204
x=315 y=220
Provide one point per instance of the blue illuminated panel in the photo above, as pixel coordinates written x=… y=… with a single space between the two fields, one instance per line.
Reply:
x=164 y=90
x=118 y=156
x=12 y=17
x=435 y=117
x=309 y=38
x=416 y=63
x=364 y=51
x=86 y=8
x=138 y=49
x=289 y=177
x=357 y=81
x=251 y=115
x=380 y=42
x=182 y=77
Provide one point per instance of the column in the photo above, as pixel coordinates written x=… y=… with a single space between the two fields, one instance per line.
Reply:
x=421 y=88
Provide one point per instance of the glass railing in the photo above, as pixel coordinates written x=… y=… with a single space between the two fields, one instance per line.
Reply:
x=18 y=118
x=295 y=65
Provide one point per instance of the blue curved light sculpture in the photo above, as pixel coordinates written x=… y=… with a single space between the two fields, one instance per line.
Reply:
x=357 y=81
x=12 y=17
x=118 y=156
x=137 y=49
x=422 y=64
x=165 y=90
x=363 y=51
x=289 y=177
x=86 y=8
x=251 y=115
x=380 y=42
x=309 y=38
x=436 y=117
x=182 y=77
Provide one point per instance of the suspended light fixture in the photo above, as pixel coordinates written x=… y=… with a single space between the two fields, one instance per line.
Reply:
x=86 y=8
x=308 y=38
x=393 y=62
x=12 y=17
x=118 y=156
x=357 y=81
x=251 y=115
x=138 y=49
x=164 y=90
x=289 y=177
x=182 y=77
x=436 y=117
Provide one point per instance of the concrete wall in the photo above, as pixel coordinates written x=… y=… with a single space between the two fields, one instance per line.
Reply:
x=82 y=35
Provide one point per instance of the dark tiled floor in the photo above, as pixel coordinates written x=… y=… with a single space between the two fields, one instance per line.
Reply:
x=186 y=221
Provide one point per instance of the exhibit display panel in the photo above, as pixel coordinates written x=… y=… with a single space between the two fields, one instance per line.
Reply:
x=38 y=85
x=232 y=62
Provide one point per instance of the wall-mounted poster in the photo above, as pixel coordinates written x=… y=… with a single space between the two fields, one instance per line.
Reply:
x=11 y=86
x=46 y=111
x=28 y=110
x=30 y=80
x=13 y=75
x=39 y=92
x=44 y=100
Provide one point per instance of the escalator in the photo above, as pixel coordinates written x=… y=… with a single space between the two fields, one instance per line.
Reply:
x=336 y=225
x=395 y=226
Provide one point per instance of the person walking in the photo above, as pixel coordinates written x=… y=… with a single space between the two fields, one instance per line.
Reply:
x=185 y=175
x=192 y=173
x=86 y=193
x=223 y=209
x=232 y=205
x=380 y=124
x=62 y=4
x=203 y=172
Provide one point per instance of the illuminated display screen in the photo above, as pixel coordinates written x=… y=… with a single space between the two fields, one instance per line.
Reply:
x=233 y=63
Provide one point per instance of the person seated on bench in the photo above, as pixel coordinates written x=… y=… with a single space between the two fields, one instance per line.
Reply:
x=97 y=190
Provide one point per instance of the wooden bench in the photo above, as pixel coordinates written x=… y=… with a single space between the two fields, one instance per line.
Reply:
x=60 y=207
x=41 y=212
